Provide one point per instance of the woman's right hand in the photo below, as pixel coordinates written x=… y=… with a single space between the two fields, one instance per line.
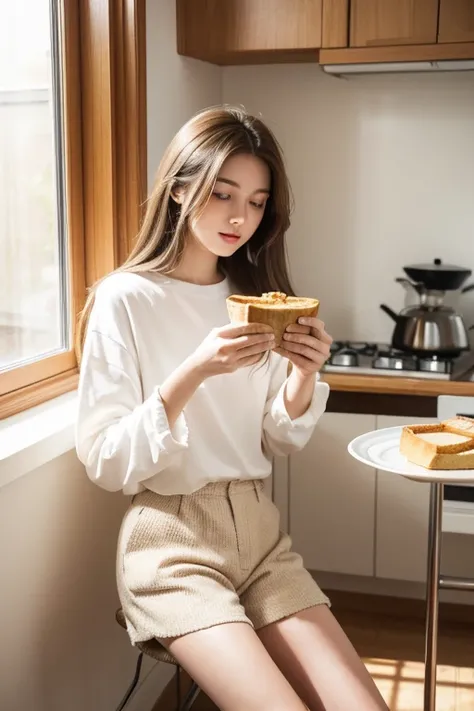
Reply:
x=231 y=347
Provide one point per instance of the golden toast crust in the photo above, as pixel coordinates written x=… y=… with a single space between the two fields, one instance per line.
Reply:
x=435 y=455
x=274 y=309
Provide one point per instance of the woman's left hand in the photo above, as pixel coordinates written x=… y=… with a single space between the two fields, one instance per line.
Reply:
x=306 y=345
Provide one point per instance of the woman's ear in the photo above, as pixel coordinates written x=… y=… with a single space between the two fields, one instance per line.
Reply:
x=177 y=193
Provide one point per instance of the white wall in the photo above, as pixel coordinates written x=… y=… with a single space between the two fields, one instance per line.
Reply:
x=60 y=647
x=177 y=87
x=382 y=169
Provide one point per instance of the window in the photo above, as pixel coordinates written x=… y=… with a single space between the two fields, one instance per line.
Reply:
x=34 y=283
x=60 y=90
x=37 y=231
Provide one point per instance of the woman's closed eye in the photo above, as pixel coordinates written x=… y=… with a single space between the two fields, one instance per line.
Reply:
x=226 y=196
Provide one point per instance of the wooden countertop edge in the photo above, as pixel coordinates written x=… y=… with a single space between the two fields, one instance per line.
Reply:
x=387 y=385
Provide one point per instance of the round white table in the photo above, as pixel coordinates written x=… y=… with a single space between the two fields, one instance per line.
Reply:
x=380 y=450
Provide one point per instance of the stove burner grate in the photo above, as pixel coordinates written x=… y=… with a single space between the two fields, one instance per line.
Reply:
x=355 y=354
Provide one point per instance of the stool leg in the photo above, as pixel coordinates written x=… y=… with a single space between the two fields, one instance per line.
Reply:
x=191 y=697
x=132 y=686
x=432 y=594
x=178 y=687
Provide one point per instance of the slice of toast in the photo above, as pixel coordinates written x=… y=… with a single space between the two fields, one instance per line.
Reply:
x=445 y=445
x=274 y=308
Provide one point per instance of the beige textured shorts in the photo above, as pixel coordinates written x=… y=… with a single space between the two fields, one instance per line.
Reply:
x=190 y=562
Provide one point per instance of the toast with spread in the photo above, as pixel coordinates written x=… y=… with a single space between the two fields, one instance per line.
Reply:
x=445 y=445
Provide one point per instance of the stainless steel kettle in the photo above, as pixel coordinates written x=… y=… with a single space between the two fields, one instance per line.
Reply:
x=430 y=327
x=428 y=331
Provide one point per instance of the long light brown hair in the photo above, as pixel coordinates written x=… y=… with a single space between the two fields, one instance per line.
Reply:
x=192 y=161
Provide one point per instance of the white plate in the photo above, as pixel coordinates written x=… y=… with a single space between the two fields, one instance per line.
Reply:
x=380 y=449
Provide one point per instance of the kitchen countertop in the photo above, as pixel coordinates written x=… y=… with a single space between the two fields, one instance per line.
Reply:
x=385 y=384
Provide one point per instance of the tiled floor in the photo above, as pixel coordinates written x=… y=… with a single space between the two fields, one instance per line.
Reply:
x=393 y=651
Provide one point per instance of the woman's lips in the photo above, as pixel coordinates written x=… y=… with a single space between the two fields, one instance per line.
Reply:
x=229 y=237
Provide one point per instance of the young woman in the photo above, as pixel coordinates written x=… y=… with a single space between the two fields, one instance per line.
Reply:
x=184 y=411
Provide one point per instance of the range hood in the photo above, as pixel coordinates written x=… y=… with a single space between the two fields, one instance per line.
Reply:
x=453 y=65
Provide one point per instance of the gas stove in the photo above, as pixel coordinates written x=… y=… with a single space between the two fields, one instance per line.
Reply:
x=380 y=359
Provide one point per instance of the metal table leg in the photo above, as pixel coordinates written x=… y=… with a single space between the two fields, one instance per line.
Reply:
x=432 y=594
x=436 y=582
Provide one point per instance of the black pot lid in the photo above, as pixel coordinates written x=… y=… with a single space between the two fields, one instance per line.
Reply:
x=437 y=265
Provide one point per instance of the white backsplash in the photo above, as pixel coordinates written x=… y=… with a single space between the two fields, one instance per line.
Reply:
x=382 y=170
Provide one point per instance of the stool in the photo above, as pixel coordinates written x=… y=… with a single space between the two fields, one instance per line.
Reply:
x=152 y=648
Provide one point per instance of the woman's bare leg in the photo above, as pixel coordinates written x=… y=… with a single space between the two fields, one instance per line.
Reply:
x=317 y=658
x=231 y=665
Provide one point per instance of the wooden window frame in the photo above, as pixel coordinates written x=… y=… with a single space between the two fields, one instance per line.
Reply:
x=104 y=58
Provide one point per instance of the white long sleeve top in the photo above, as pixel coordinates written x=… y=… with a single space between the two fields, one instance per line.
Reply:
x=141 y=328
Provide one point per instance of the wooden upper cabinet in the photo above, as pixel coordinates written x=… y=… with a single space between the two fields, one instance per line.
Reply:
x=456 y=21
x=335 y=30
x=377 y=23
x=330 y=31
x=238 y=31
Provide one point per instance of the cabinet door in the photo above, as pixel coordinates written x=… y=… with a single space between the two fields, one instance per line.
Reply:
x=226 y=26
x=335 y=28
x=275 y=24
x=456 y=21
x=387 y=22
x=332 y=499
x=401 y=520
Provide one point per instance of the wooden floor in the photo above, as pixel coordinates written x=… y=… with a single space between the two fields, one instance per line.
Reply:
x=393 y=649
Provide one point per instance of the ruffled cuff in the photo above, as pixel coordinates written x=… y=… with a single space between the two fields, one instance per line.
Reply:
x=308 y=419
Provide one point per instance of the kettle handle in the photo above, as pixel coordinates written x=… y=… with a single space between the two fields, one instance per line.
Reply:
x=418 y=286
x=390 y=312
